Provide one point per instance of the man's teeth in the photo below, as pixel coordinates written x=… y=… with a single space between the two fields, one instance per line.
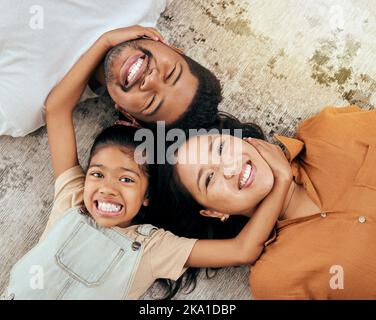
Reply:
x=134 y=69
x=246 y=175
x=109 y=207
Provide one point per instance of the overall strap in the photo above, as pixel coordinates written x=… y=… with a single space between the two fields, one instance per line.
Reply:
x=146 y=230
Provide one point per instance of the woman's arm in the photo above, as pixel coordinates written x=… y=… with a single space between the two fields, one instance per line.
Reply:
x=64 y=97
x=249 y=244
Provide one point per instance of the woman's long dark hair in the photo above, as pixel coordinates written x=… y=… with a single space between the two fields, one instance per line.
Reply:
x=177 y=211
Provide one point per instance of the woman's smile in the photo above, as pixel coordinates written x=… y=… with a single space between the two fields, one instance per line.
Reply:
x=247 y=175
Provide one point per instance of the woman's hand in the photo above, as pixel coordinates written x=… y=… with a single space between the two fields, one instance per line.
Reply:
x=274 y=156
x=114 y=37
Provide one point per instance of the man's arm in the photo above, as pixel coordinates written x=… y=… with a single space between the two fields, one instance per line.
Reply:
x=64 y=97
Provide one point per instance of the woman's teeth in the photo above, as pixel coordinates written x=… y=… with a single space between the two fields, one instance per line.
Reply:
x=134 y=69
x=109 y=207
x=246 y=174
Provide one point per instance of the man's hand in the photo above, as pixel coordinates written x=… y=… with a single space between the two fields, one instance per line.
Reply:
x=114 y=37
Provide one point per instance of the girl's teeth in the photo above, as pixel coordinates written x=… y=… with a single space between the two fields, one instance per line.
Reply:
x=109 y=207
x=134 y=69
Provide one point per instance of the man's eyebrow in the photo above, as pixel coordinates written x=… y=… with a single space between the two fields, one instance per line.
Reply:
x=202 y=169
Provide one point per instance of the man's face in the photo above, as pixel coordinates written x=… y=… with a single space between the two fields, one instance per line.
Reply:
x=150 y=81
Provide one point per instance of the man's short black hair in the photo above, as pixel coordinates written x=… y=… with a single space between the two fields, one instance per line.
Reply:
x=203 y=109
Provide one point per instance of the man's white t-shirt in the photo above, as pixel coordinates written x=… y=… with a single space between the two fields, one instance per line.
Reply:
x=41 y=40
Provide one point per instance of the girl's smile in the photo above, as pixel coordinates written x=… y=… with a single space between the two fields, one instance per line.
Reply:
x=105 y=208
x=115 y=187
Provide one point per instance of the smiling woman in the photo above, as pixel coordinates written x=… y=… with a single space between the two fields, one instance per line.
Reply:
x=318 y=227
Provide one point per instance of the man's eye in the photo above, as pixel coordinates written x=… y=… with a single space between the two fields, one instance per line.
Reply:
x=208 y=179
x=171 y=73
x=96 y=175
x=151 y=102
x=127 y=180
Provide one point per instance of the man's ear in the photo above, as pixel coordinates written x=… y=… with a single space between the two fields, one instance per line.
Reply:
x=211 y=213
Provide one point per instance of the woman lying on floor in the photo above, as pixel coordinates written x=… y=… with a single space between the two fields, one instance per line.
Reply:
x=324 y=242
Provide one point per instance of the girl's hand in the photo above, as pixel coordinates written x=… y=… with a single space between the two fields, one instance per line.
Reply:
x=114 y=37
x=274 y=156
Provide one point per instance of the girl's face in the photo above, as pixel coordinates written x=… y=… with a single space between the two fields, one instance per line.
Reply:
x=115 y=187
x=224 y=173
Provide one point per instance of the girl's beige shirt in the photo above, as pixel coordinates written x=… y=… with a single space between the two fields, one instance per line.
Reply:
x=164 y=254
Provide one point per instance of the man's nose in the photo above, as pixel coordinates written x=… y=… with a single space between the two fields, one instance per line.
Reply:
x=152 y=80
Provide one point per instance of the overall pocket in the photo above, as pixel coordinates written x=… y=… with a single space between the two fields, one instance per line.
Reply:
x=88 y=256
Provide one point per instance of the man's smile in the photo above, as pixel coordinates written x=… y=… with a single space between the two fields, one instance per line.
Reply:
x=133 y=68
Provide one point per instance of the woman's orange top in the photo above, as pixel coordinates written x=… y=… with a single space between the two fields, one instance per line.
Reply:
x=330 y=255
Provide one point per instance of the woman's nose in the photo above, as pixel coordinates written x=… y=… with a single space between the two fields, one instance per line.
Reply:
x=231 y=167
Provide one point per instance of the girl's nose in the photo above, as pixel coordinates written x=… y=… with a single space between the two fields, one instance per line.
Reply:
x=107 y=189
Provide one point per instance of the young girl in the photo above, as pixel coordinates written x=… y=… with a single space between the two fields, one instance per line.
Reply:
x=92 y=247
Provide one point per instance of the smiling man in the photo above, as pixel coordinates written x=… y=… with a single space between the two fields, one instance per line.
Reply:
x=38 y=50
x=155 y=82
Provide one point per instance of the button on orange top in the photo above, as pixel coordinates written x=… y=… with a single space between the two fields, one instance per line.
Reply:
x=334 y=157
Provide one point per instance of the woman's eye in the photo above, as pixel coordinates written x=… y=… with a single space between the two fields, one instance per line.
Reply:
x=208 y=179
x=126 y=180
x=96 y=175
x=220 y=147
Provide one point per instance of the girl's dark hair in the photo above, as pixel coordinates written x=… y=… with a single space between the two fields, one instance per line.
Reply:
x=123 y=136
x=178 y=211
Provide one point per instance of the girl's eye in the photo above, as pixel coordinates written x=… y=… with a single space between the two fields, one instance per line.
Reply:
x=97 y=175
x=208 y=179
x=127 y=180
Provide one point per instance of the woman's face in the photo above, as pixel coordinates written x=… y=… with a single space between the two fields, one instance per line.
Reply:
x=115 y=187
x=224 y=173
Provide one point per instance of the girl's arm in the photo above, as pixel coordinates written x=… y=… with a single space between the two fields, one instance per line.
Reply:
x=62 y=100
x=247 y=246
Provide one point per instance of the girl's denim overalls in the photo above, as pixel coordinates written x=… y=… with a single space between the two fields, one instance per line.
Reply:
x=78 y=260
